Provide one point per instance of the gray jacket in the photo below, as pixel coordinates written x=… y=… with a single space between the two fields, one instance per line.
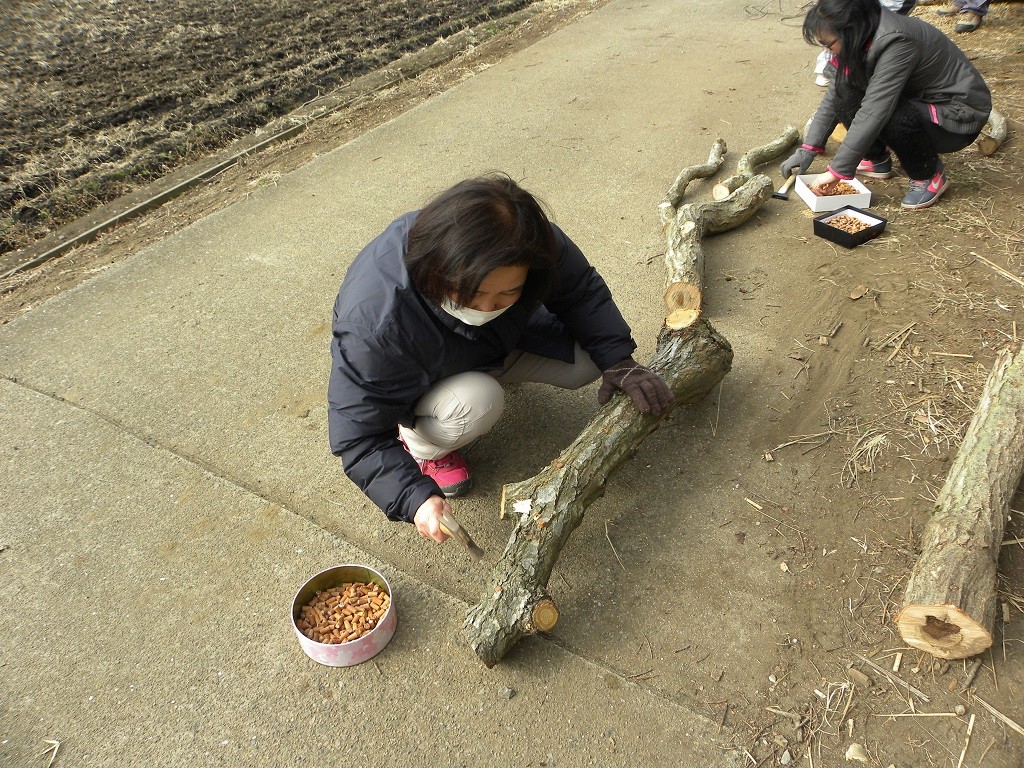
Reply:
x=391 y=345
x=907 y=59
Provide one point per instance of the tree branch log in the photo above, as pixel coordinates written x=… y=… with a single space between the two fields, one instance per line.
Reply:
x=751 y=160
x=993 y=134
x=684 y=293
x=667 y=207
x=949 y=605
x=692 y=359
x=551 y=504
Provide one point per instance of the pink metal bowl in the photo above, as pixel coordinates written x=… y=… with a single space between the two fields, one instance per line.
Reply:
x=354 y=651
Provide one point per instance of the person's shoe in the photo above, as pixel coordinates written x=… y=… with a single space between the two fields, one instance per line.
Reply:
x=952 y=9
x=450 y=472
x=968 y=21
x=924 y=193
x=819 y=69
x=875 y=169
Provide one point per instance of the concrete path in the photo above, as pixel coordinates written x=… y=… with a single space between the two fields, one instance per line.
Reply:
x=167 y=485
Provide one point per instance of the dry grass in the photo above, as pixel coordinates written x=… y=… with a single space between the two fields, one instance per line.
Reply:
x=863 y=456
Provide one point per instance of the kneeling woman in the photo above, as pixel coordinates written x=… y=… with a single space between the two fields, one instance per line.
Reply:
x=901 y=86
x=476 y=290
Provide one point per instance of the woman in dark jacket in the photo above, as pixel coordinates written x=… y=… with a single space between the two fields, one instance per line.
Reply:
x=477 y=289
x=901 y=86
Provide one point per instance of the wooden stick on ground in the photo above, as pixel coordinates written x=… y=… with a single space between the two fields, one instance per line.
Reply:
x=1000 y=716
x=692 y=359
x=894 y=678
x=753 y=158
x=949 y=606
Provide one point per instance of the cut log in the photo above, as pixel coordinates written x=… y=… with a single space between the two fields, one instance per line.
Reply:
x=993 y=134
x=949 y=605
x=692 y=359
x=684 y=295
x=751 y=160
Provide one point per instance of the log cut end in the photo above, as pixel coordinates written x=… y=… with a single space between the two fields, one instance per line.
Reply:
x=993 y=134
x=944 y=631
x=987 y=145
x=683 y=301
x=726 y=187
x=545 y=615
x=682 y=295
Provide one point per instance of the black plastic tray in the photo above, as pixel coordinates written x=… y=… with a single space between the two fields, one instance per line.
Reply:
x=822 y=228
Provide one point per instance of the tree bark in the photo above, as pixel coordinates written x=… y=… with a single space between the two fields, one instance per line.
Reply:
x=684 y=294
x=692 y=359
x=550 y=505
x=668 y=207
x=949 y=605
x=753 y=158
x=993 y=134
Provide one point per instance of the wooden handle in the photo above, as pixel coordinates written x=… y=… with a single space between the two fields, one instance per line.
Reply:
x=451 y=527
x=789 y=182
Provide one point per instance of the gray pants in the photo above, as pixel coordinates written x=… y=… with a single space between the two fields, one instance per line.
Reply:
x=459 y=409
x=979 y=7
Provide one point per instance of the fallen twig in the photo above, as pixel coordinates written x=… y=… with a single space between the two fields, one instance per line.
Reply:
x=54 y=745
x=892 y=337
x=967 y=742
x=999 y=715
x=902 y=683
x=1001 y=271
x=609 y=538
x=920 y=714
x=972 y=672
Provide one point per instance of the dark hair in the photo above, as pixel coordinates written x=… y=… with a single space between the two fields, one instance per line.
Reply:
x=473 y=228
x=853 y=22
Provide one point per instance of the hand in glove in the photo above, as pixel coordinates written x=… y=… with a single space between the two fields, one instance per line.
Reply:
x=798 y=162
x=648 y=391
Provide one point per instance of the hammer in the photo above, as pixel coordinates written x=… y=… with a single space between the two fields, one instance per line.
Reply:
x=783 y=193
x=451 y=526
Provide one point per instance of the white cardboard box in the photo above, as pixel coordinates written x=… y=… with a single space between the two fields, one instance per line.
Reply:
x=821 y=203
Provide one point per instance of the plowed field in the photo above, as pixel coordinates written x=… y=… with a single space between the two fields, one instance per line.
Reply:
x=98 y=96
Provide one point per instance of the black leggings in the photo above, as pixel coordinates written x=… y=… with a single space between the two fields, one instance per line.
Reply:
x=910 y=134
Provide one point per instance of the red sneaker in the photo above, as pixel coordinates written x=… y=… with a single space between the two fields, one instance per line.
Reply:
x=450 y=472
x=876 y=169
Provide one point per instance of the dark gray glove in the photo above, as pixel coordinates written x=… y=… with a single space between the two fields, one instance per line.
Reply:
x=799 y=162
x=648 y=391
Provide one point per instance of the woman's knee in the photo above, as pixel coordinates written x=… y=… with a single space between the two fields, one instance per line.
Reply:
x=466 y=402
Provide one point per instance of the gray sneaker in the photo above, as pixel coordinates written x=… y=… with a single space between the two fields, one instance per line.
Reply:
x=925 y=193
x=950 y=10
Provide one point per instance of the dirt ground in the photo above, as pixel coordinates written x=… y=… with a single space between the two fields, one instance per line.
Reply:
x=886 y=367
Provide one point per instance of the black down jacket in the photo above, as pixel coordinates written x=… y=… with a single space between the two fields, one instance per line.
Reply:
x=391 y=345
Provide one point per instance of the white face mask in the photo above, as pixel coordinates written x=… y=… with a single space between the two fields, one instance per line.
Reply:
x=471 y=316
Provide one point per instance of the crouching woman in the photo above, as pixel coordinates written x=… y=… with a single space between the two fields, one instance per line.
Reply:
x=901 y=87
x=476 y=290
